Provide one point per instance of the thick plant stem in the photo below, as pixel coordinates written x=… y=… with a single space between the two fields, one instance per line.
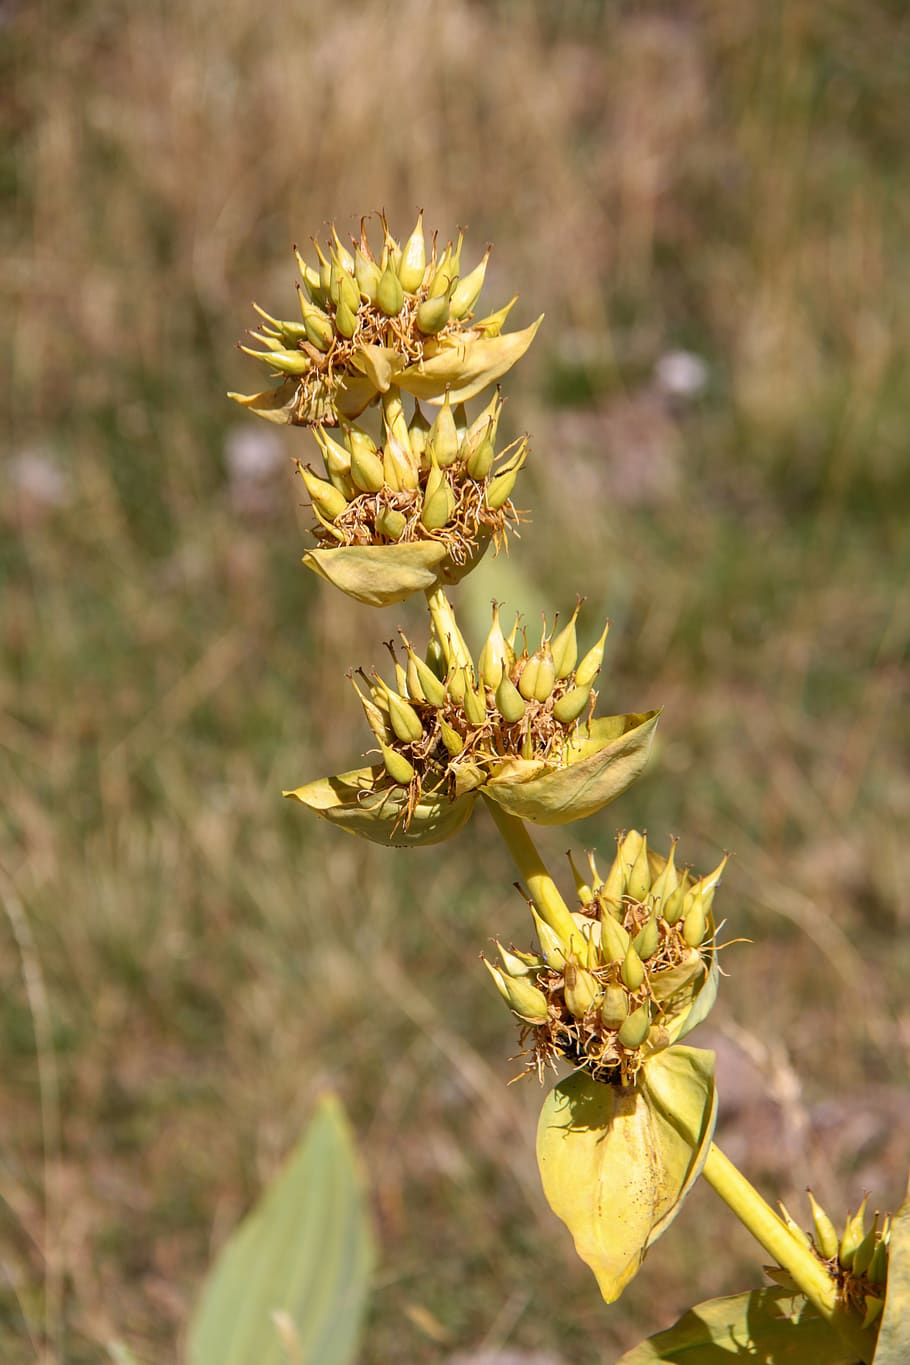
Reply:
x=544 y=892
x=786 y=1250
x=450 y=637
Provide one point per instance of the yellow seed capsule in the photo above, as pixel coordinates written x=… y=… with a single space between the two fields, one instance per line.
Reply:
x=345 y=319
x=639 y=880
x=397 y=766
x=500 y=489
x=528 y=680
x=418 y=433
x=571 y=704
x=367 y=275
x=468 y=289
x=324 y=496
x=551 y=945
x=391 y=523
x=474 y=704
x=614 y=941
x=443 y=442
x=345 y=259
x=615 y=1007
x=404 y=719
x=878 y=1266
x=647 y=939
x=432 y=315
x=614 y=886
x=490 y=662
x=480 y=461
x=525 y=1000
x=582 y=990
x=444 y=277
x=389 y=293
x=450 y=737
x=632 y=970
x=432 y=688
x=852 y=1236
x=564 y=646
x=589 y=667
x=582 y=890
x=509 y=702
x=375 y=718
x=310 y=279
x=695 y=925
x=413 y=258
x=546 y=674
x=438 y=500
x=318 y=325
x=666 y=880
x=367 y=471
x=826 y=1238
x=634 y=1030
x=518 y=965
x=675 y=904
x=862 y=1257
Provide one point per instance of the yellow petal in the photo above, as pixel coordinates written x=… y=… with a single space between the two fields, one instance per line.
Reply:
x=363 y=803
x=599 y=770
x=616 y=1163
x=465 y=367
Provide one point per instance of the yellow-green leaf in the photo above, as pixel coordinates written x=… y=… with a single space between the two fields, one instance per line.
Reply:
x=466 y=365
x=362 y=802
x=274 y=405
x=772 y=1326
x=599 y=770
x=380 y=574
x=894 y=1334
x=616 y=1163
x=380 y=365
x=292 y=1281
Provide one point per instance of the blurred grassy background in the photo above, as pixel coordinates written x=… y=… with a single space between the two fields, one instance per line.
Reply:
x=708 y=200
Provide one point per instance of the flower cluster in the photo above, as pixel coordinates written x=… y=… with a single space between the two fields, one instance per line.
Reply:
x=620 y=976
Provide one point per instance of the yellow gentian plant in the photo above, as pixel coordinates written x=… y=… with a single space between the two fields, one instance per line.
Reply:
x=389 y=347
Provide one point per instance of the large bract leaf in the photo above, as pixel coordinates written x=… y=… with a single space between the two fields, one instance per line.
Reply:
x=768 y=1326
x=275 y=405
x=291 y=1283
x=616 y=1163
x=464 y=366
x=600 y=768
x=379 y=575
x=352 y=802
x=894 y=1335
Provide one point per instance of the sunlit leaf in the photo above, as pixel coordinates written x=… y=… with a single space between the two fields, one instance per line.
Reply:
x=768 y=1326
x=616 y=1163
x=363 y=802
x=599 y=770
x=379 y=574
x=466 y=365
x=290 y=1285
x=274 y=405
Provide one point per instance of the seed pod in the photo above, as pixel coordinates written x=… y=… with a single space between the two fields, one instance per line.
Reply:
x=318 y=325
x=582 y=990
x=499 y=489
x=639 y=880
x=474 y=704
x=525 y=1000
x=614 y=887
x=564 y=646
x=438 y=500
x=285 y=362
x=634 y=1030
x=826 y=1238
x=430 y=685
x=389 y=293
x=375 y=718
x=666 y=880
x=345 y=259
x=480 y=461
x=862 y=1257
x=390 y=523
x=367 y=470
x=614 y=941
x=571 y=704
x=852 y=1236
x=345 y=319
x=450 y=737
x=582 y=889
x=878 y=1266
x=695 y=925
x=367 y=275
x=310 y=279
x=676 y=902
x=444 y=277
x=404 y=719
x=632 y=970
x=413 y=259
x=443 y=442
x=615 y=1007
x=455 y=684
x=397 y=766
x=492 y=656
x=433 y=314
x=589 y=667
x=546 y=673
x=516 y=966
x=647 y=939
x=435 y=658
x=467 y=291
x=324 y=496
x=509 y=702
x=418 y=432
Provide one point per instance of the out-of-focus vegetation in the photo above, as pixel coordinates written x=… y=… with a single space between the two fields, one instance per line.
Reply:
x=709 y=202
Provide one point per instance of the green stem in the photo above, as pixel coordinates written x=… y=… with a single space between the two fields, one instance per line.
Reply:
x=544 y=891
x=787 y=1250
x=448 y=634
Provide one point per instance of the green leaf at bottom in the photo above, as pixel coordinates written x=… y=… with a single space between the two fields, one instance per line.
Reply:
x=768 y=1326
x=894 y=1335
x=301 y=1259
